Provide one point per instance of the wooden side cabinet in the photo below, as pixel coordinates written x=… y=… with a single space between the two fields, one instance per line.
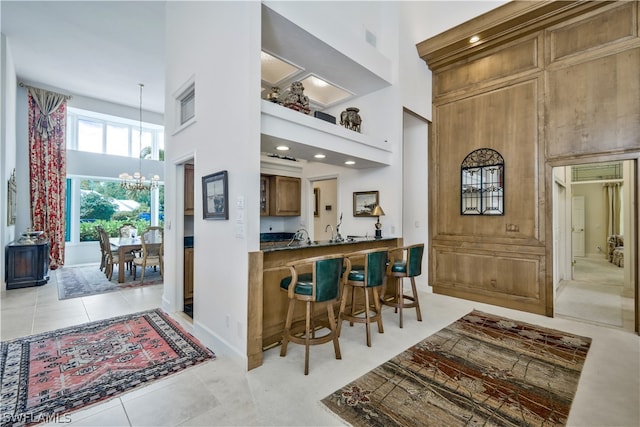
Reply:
x=188 y=189
x=27 y=264
x=284 y=196
x=188 y=274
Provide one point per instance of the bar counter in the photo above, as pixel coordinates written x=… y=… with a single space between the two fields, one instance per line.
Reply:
x=267 y=309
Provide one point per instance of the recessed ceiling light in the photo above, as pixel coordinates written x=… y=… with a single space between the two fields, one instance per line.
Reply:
x=282 y=148
x=474 y=39
x=319 y=156
x=349 y=162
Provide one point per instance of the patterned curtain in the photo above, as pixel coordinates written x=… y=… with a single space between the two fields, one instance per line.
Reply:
x=48 y=168
x=612 y=198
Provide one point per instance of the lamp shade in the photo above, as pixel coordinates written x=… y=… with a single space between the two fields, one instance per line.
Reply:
x=377 y=211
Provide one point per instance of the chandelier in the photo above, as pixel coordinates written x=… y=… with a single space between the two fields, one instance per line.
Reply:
x=138 y=182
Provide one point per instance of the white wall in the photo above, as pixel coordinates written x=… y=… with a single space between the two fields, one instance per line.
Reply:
x=7 y=141
x=218 y=45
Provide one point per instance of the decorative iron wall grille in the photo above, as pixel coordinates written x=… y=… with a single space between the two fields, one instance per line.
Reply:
x=482 y=183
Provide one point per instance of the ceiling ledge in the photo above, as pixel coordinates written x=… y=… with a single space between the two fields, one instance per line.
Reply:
x=350 y=63
x=498 y=26
x=307 y=135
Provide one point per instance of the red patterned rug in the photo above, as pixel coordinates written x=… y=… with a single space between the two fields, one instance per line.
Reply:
x=47 y=375
x=480 y=370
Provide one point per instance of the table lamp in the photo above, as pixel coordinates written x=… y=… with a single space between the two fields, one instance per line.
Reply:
x=378 y=212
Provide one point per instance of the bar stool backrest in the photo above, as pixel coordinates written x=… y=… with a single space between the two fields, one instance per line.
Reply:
x=414 y=259
x=376 y=268
x=326 y=274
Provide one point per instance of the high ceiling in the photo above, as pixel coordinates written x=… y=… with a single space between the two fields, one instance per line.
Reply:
x=103 y=49
x=97 y=49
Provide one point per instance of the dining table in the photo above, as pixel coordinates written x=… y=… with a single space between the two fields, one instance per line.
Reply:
x=128 y=244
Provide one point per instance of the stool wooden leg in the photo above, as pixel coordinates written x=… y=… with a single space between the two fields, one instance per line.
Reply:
x=400 y=297
x=287 y=328
x=415 y=296
x=343 y=305
x=353 y=303
x=307 y=337
x=367 y=321
x=334 y=332
x=376 y=303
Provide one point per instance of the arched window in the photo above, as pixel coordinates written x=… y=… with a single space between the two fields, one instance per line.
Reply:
x=482 y=183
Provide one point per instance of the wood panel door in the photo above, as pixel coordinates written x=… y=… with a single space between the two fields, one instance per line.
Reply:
x=577 y=226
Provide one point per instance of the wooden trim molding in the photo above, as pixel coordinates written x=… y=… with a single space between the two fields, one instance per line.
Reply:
x=497 y=27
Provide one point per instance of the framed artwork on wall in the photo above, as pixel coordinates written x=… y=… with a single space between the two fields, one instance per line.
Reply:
x=364 y=202
x=215 y=196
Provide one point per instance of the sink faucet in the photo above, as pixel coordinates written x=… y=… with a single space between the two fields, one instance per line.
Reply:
x=299 y=235
x=330 y=227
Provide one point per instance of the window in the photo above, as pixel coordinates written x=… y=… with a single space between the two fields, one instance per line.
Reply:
x=187 y=104
x=482 y=183
x=100 y=133
x=93 y=200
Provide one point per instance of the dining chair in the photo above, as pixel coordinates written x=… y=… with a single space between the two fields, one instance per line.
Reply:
x=129 y=230
x=110 y=256
x=125 y=230
x=103 y=254
x=152 y=251
x=407 y=264
x=313 y=280
x=368 y=277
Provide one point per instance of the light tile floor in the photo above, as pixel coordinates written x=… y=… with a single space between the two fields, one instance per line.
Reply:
x=221 y=392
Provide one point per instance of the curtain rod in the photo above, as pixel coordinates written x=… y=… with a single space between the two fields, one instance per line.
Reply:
x=23 y=84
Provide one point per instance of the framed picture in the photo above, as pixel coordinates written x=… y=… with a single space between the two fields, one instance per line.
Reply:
x=316 y=198
x=215 y=196
x=364 y=202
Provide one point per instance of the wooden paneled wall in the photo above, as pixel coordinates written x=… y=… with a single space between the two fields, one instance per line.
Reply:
x=549 y=83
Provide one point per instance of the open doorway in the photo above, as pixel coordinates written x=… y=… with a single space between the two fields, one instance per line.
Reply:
x=594 y=233
x=325 y=208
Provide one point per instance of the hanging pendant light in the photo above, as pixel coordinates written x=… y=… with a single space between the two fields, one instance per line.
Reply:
x=138 y=182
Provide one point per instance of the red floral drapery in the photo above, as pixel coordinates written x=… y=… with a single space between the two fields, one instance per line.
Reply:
x=48 y=168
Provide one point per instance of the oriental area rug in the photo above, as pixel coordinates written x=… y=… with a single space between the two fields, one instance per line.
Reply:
x=85 y=280
x=480 y=370
x=47 y=375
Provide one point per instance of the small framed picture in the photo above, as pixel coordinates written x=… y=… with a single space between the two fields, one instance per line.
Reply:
x=364 y=202
x=215 y=196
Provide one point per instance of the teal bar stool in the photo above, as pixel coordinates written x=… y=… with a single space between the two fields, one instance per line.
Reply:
x=368 y=277
x=408 y=265
x=321 y=285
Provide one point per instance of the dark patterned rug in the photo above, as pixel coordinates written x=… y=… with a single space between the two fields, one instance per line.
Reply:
x=46 y=376
x=480 y=370
x=85 y=280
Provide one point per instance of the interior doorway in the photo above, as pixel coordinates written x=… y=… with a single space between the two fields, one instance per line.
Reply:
x=594 y=243
x=324 y=207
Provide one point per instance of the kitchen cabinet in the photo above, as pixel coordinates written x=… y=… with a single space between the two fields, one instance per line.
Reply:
x=188 y=189
x=264 y=195
x=188 y=274
x=27 y=264
x=284 y=195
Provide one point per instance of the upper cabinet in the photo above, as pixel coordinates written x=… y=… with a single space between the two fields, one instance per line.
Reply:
x=188 y=189
x=282 y=195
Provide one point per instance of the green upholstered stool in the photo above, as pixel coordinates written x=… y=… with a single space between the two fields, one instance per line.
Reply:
x=321 y=285
x=408 y=265
x=368 y=277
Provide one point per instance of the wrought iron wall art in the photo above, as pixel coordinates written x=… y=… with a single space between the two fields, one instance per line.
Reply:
x=482 y=183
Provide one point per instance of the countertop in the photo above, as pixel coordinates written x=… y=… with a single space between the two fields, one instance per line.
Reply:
x=282 y=246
